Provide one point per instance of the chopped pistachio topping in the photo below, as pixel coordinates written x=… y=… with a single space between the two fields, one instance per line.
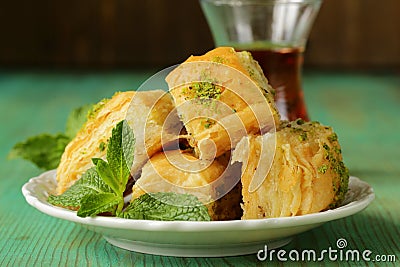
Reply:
x=206 y=90
x=96 y=108
x=202 y=91
x=208 y=123
x=323 y=169
x=102 y=146
x=338 y=167
x=303 y=136
x=219 y=59
x=333 y=137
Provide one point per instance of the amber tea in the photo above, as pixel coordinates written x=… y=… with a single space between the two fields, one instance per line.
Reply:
x=282 y=67
x=276 y=32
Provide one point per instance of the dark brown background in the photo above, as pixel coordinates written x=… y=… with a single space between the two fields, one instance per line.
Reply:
x=347 y=34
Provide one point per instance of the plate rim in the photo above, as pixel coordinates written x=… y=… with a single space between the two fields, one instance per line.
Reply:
x=195 y=226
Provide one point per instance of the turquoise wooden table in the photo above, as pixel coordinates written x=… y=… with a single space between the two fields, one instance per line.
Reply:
x=363 y=108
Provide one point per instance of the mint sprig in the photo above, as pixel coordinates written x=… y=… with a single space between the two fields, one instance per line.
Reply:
x=101 y=188
x=166 y=206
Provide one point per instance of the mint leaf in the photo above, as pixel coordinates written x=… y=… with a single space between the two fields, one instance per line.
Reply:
x=120 y=153
x=166 y=207
x=90 y=183
x=97 y=203
x=107 y=175
x=43 y=150
x=76 y=119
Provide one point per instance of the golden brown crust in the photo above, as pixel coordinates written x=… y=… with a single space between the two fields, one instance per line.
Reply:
x=302 y=178
x=176 y=171
x=222 y=96
x=223 y=55
x=145 y=112
x=307 y=174
x=77 y=156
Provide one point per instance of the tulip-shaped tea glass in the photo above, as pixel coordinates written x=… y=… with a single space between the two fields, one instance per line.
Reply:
x=275 y=32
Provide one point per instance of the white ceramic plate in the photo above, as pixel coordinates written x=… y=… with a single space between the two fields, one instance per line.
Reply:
x=197 y=239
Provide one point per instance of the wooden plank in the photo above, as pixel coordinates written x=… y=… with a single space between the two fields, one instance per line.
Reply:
x=121 y=33
x=364 y=113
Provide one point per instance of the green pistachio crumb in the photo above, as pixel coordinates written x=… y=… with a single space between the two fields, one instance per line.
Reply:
x=218 y=59
x=333 y=137
x=326 y=147
x=102 y=146
x=300 y=122
x=303 y=136
x=206 y=90
x=96 y=108
x=208 y=123
x=323 y=169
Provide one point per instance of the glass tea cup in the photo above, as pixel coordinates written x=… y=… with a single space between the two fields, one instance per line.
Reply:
x=276 y=33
